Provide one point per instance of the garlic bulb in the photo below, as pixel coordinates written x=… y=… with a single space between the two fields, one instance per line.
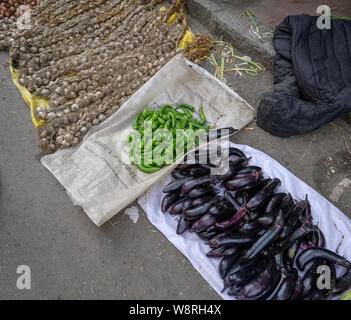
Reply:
x=89 y=60
x=83 y=130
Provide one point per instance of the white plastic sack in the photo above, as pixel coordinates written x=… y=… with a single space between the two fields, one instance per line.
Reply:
x=97 y=174
x=332 y=222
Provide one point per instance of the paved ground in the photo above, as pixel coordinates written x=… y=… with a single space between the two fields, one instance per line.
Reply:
x=70 y=258
x=272 y=12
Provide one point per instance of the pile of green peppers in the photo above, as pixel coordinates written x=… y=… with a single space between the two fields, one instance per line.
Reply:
x=172 y=119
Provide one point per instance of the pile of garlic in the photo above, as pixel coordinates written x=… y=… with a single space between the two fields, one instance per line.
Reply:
x=10 y=8
x=87 y=57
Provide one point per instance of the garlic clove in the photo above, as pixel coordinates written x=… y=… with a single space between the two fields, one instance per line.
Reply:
x=74 y=107
x=83 y=129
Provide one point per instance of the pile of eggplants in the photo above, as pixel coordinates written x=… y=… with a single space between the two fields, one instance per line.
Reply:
x=263 y=237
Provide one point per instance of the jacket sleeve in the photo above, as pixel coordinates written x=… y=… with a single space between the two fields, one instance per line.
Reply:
x=284 y=116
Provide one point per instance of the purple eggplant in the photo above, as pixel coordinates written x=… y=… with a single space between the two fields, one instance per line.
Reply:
x=224 y=206
x=207 y=234
x=246 y=219
x=203 y=155
x=196 y=212
x=287 y=286
x=290 y=226
x=262 y=197
x=266 y=220
x=199 y=172
x=271 y=288
x=199 y=192
x=233 y=239
x=261 y=286
x=310 y=278
x=182 y=225
x=216 y=252
x=168 y=200
x=218 y=237
x=242 y=198
x=243 y=204
x=245 y=274
x=201 y=200
x=307 y=214
x=343 y=283
x=297 y=290
x=282 y=274
x=215 y=210
x=187 y=204
x=318 y=295
x=179 y=206
x=187 y=166
x=299 y=233
x=237 y=152
x=176 y=185
x=177 y=174
x=250 y=169
x=253 y=215
x=323 y=294
x=237 y=217
x=235 y=158
x=240 y=175
x=213 y=228
x=227 y=196
x=204 y=222
x=250 y=227
x=286 y=206
x=233 y=169
x=253 y=190
x=222 y=209
x=233 y=291
x=274 y=202
x=236 y=182
x=194 y=183
x=266 y=239
x=243 y=264
x=315 y=238
x=294 y=220
x=227 y=263
x=312 y=254
x=223 y=251
x=290 y=254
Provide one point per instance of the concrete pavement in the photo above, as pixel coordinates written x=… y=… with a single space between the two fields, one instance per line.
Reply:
x=70 y=258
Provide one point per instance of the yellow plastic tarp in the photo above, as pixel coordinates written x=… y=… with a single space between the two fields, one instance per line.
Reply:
x=31 y=100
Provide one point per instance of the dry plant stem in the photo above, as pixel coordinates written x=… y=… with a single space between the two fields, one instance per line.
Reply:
x=313 y=138
x=345 y=136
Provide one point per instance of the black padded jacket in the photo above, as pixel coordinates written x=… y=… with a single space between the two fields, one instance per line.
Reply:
x=312 y=76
